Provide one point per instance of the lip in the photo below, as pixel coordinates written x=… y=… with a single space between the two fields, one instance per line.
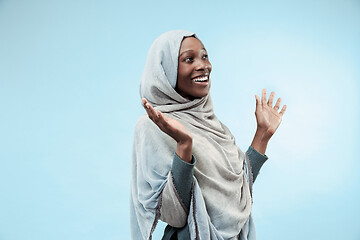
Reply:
x=202 y=83
x=202 y=75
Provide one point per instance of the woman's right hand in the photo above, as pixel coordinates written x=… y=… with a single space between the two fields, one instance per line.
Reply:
x=174 y=129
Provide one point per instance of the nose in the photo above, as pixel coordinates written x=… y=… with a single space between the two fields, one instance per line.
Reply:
x=203 y=66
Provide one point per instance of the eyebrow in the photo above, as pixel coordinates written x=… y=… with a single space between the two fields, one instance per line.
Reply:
x=189 y=51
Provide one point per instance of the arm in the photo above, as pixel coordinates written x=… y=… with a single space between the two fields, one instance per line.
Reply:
x=256 y=161
x=176 y=196
x=268 y=120
x=182 y=173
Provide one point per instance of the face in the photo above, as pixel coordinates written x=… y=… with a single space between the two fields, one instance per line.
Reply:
x=193 y=78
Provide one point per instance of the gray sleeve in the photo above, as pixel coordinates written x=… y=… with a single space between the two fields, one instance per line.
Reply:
x=183 y=173
x=256 y=161
x=176 y=195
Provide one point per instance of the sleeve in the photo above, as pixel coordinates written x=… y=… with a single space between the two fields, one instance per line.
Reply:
x=256 y=161
x=176 y=195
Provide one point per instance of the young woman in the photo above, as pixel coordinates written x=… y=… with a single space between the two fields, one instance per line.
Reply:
x=186 y=168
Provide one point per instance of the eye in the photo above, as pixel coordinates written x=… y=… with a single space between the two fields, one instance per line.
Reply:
x=205 y=56
x=188 y=59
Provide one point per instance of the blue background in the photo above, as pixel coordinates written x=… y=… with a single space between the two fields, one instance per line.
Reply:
x=69 y=77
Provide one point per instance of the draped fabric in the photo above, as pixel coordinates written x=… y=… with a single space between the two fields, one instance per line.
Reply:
x=221 y=201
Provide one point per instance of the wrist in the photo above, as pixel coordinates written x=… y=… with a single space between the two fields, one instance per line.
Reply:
x=263 y=135
x=261 y=140
x=184 y=150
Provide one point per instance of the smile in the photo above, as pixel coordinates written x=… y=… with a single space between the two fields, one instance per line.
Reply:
x=201 y=79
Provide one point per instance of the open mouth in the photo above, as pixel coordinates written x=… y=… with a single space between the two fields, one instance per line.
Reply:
x=201 y=79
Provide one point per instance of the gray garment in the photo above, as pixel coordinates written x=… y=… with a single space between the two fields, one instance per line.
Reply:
x=182 y=183
x=176 y=195
x=220 y=202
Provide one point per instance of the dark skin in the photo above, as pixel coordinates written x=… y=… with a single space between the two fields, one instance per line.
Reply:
x=194 y=68
x=193 y=81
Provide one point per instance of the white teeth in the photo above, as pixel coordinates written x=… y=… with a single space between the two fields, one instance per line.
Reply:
x=201 y=79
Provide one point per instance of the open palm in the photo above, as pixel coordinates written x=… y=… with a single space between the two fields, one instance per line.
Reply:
x=168 y=125
x=268 y=118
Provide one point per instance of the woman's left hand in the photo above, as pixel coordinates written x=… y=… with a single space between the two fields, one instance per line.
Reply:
x=268 y=118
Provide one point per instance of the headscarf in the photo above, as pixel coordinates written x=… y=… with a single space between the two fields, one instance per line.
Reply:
x=221 y=201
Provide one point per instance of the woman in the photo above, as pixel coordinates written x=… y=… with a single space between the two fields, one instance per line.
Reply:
x=186 y=168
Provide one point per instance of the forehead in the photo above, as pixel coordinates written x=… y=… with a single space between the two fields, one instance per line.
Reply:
x=190 y=43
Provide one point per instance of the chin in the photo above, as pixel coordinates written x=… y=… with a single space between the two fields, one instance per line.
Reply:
x=201 y=95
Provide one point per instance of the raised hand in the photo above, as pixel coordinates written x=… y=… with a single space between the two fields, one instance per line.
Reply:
x=268 y=118
x=173 y=128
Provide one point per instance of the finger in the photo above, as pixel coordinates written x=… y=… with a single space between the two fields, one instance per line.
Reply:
x=283 y=110
x=277 y=104
x=271 y=98
x=149 y=113
x=143 y=101
x=161 y=119
x=150 y=110
x=146 y=104
x=263 y=96
x=258 y=103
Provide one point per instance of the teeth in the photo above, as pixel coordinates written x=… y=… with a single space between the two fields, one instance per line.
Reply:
x=201 y=79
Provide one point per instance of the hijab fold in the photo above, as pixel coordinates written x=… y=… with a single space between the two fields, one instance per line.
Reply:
x=221 y=201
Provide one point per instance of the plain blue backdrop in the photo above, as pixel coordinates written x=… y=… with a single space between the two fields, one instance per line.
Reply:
x=69 y=78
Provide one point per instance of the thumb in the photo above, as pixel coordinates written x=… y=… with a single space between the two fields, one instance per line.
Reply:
x=258 y=102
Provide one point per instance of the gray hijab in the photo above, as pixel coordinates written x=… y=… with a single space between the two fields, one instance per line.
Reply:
x=221 y=200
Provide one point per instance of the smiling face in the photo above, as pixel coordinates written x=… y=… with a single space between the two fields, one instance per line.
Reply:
x=193 y=78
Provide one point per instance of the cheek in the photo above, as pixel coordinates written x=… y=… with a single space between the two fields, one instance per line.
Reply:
x=184 y=74
x=187 y=71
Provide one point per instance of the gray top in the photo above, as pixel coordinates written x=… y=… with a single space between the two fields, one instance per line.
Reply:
x=182 y=173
